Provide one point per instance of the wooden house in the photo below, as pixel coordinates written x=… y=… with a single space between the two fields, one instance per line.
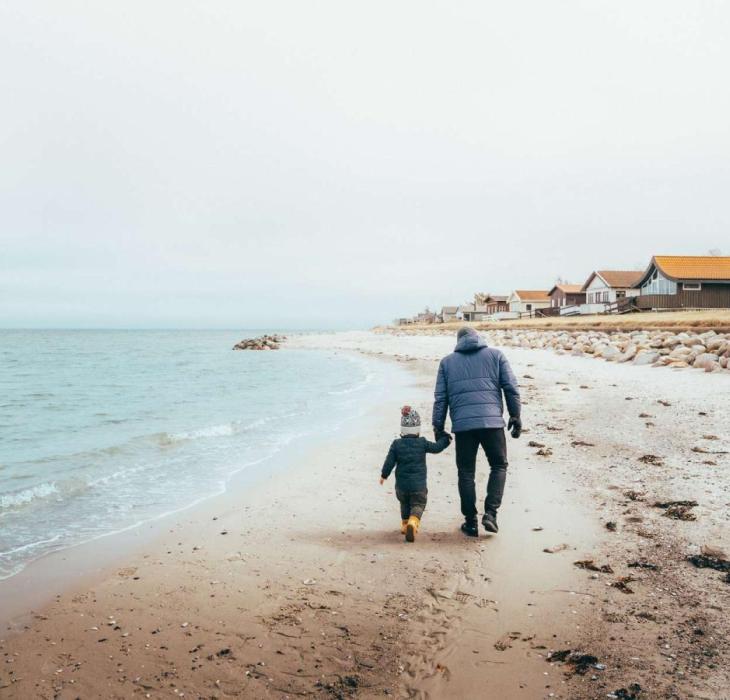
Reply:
x=496 y=304
x=522 y=300
x=608 y=286
x=562 y=295
x=685 y=282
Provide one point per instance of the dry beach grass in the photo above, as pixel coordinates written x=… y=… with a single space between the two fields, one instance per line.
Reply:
x=717 y=319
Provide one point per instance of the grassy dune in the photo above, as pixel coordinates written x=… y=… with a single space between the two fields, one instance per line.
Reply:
x=715 y=319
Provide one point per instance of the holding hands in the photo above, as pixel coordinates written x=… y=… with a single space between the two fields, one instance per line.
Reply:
x=438 y=433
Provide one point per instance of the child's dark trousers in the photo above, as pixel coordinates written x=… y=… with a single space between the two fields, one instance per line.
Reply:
x=411 y=503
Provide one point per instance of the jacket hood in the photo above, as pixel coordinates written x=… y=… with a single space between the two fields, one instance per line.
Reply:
x=469 y=342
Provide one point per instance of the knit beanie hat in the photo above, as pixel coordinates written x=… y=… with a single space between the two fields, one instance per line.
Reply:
x=410 y=421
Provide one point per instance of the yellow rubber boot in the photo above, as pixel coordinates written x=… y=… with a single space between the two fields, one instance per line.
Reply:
x=412 y=528
x=403 y=526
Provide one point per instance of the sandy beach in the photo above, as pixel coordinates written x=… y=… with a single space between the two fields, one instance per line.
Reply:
x=238 y=241
x=300 y=585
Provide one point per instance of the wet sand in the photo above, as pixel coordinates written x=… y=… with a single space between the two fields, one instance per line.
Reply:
x=301 y=585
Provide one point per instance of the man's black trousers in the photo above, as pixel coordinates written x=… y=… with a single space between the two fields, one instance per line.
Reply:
x=494 y=444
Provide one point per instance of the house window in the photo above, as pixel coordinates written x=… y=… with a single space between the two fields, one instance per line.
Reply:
x=529 y=307
x=692 y=286
x=658 y=284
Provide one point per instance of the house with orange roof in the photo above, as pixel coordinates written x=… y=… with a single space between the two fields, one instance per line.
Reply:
x=685 y=282
x=608 y=286
x=522 y=301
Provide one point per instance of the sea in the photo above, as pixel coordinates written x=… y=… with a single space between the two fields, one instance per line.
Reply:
x=102 y=431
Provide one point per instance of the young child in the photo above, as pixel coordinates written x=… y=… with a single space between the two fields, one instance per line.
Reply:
x=408 y=455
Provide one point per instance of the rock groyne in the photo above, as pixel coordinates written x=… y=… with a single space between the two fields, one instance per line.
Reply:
x=264 y=342
x=709 y=351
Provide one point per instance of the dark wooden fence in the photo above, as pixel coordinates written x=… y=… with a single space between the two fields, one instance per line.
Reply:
x=546 y=313
x=624 y=305
x=549 y=311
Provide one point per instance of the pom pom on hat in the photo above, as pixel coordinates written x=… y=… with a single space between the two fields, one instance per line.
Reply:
x=410 y=422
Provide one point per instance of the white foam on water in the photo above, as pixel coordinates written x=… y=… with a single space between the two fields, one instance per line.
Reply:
x=20 y=498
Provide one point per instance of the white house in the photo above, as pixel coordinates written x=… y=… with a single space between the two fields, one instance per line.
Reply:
x=607 y=286
x=449 y=313
x=463 y=311
x=478 y=314
x=524 y=300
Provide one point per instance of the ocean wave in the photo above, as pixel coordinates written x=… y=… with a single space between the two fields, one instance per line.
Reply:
x=25 y=496
x=29 y=545
x=356 y=387
x=224 y=430
x=133 y=445
x=211 y=431
x=40 y=492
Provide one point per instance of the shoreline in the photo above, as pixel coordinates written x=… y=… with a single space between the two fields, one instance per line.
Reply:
x=42 y=579
x=89 y=561
x=225 y=547
x=312 y=592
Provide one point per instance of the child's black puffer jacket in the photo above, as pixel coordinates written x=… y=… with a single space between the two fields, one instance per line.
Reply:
x=408 y=456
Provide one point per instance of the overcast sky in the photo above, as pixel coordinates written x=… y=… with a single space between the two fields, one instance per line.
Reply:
x=337 y=164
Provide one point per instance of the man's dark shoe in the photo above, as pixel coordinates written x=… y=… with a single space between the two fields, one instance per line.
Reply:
x=490 y=522
x=470 y=529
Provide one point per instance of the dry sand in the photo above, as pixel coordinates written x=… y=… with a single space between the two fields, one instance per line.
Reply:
x=301 y=585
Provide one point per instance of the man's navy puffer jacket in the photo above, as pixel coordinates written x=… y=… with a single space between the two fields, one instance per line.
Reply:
x=470 y=384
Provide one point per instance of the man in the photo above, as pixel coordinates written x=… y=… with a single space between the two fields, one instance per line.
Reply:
x=470 y=384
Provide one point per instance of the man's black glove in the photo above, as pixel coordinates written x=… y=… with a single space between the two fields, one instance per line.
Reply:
x=514 y=425
x=438 y=433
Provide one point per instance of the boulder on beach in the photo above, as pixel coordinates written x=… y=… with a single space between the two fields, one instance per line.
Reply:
x=610 y=352
x=707 y=360
x=628 y=354
x=647 y=357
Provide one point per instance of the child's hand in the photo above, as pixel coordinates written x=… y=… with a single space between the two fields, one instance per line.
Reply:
x=382 y=481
